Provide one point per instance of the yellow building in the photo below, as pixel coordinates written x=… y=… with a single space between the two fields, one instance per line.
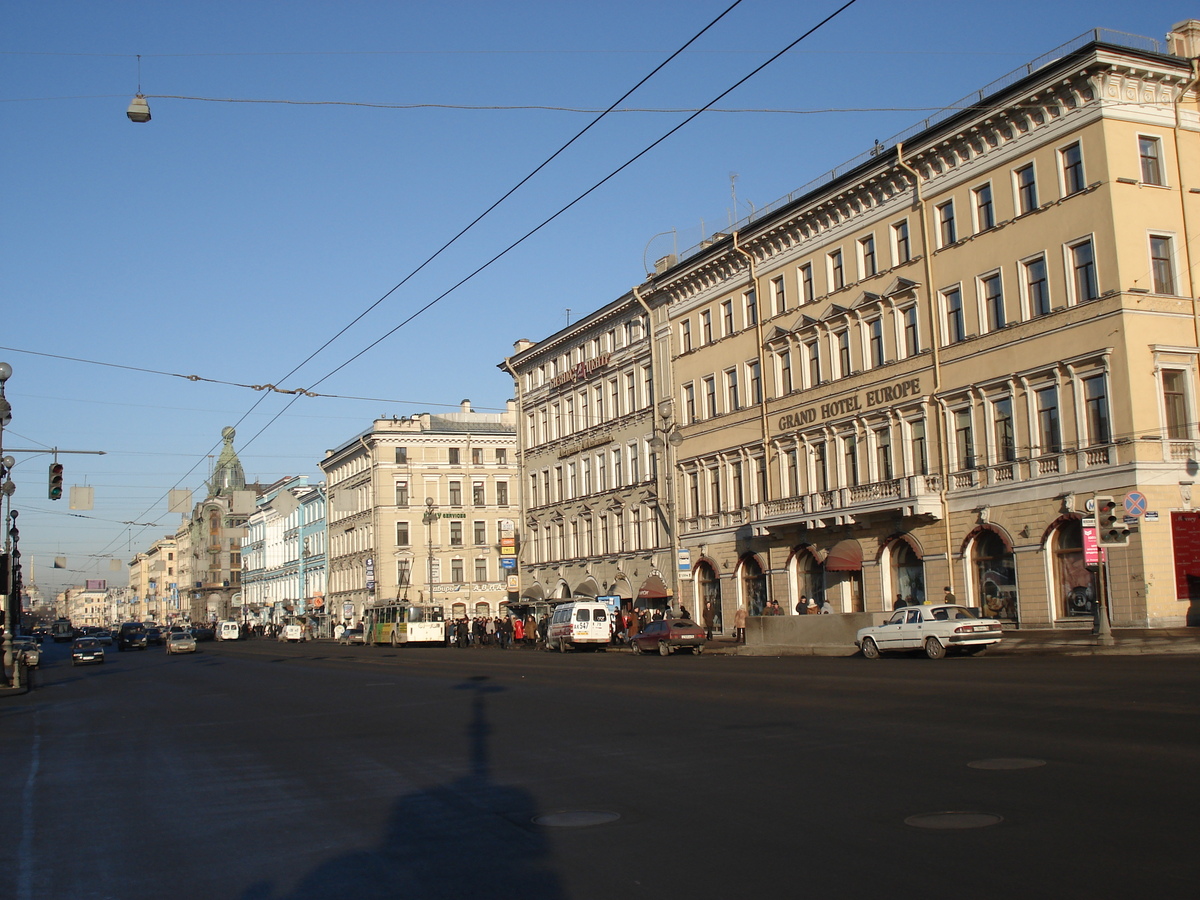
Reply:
x=921 y=371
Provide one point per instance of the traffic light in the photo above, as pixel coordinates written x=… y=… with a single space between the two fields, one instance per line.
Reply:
x=1110 y=524
x=56 y=481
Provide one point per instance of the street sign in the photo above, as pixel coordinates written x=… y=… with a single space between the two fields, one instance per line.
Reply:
x=1091 y=547
x=1135 y=503
x=685 y=560
x=508 y=562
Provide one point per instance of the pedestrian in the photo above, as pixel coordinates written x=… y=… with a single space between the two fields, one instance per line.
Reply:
x=899 y=604
x=811 y=607
x=710 y=616
x=802 y=605
x=739 y=625
x=947 y=595
x=827 y=608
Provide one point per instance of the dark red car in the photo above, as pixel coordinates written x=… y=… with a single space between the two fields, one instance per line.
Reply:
x=668 y=635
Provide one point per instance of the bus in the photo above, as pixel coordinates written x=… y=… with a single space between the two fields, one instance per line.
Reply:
x=395 y=622
x=61 y=630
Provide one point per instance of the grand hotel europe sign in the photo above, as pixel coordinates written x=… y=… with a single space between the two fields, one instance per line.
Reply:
x=849 y=404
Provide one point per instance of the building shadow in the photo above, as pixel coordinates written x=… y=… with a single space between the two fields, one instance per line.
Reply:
x=470 y=837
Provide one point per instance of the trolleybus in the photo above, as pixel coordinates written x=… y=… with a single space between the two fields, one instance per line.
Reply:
x=396 y=622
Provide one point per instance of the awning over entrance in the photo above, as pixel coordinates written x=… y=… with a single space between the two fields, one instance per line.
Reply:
x=586 y=588
x=533 y=592
x=653 y=588
x=845 y=556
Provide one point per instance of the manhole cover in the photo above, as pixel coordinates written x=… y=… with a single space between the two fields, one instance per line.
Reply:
x=1014 y=763
x=578 y=818
x=952 y=820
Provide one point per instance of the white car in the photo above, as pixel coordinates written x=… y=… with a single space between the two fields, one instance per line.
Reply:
x=934 y=629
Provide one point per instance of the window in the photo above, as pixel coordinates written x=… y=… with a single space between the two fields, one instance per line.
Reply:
x=1150 y=156
x=689 y=403
x=501 y=456
x=402 y=539
x=1002 y=426
x=1037 y=289
x=706 y=331
x=481 y=570
x=1095 y=410
x=850 y=459
x=993 y=301
x=820 y=468
x=477 y=456
x=737 y=491
x=1162 y=268
x=901 y=249
x=479 y=532
x=1071 y=158
x=920 y=450
x=477 y=494
x=866 y=256
x=454 y=456
x=955 y=326
x=727 y=318
x=807 y=292
x=456 y=493
x=754 y=371
x=750 y=299
x=837 y=271
x=456 y=571
x=614 y=396
x=402 y=493
x=875 y=340
x=731 y=390
x=1049 y=440
x=502 y=493
x=842 y=341
x=456 y=533
x=630 y=392
x=403 y=572
x=1083 y=271
x=401 y=456
x=964 y=443
x=985 y=211
x=1026 y=183
x=784 y=363
x=685 y=335
x=912 y=334
x=812 y=352
x=883 y=454
x=778 y=297
x=616 y=467
x=1174 y=388
x=947 y=233
x=710 y=396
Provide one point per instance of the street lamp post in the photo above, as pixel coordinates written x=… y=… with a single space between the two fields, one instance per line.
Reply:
x=10 y=660
x=429 y=518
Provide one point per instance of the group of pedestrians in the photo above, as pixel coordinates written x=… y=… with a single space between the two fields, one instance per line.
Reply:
x=502 y=632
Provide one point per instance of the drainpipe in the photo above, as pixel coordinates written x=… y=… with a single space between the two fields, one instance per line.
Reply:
x=1186 y=246
x=521 y=473
x=943 y=432
x=367 y=598
x=762 y=363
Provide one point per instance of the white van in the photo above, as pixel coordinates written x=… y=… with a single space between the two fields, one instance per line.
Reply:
x=227 y=631
x=582 y=624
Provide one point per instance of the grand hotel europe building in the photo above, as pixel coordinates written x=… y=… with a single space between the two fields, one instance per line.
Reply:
x=918 y=371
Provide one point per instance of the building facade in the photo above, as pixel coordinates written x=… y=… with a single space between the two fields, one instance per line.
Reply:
x=417 y=511
x=927 y=369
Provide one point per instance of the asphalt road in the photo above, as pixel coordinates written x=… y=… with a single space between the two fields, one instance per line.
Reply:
x=258 y=770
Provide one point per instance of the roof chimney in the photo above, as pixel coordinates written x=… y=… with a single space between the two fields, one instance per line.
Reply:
x=1184 y=39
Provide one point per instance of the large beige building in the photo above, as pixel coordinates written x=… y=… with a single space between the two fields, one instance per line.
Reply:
x=921 y=370
x=417 y=511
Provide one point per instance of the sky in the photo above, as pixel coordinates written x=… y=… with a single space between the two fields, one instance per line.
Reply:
x=305 y=159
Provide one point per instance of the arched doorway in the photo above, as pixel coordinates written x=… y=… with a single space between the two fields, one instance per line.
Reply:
x=994 y=571
x=843 y=576
x=753 y=585
x=806 y=577
x=708 y=590
x=1074 y=585
x=906 y=575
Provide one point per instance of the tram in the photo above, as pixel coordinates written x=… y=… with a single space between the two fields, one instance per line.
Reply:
x=395 y=622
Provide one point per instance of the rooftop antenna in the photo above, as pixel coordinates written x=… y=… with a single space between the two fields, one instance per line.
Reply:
x=733 y=177
x=568 y=316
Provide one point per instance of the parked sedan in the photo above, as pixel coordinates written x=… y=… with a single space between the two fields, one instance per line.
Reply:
x=180 y=642
x=86 y=650
x=352 y=636
x=934 y=629
x=667 y=635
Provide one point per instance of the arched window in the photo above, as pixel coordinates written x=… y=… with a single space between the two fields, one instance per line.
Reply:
x=907 y=575
x=458 y=611
x=482 y=608
x=754 y=586
x=995 y=574
x=1074 y=585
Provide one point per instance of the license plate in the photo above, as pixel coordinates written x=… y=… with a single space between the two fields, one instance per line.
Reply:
x=687 y=637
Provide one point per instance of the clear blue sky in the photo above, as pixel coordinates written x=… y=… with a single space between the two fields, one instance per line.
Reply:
x=231 y=240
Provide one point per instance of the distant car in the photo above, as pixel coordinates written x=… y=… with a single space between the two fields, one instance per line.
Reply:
x=934 y=629
x=86 y=650
x=180 y=642
x=352 y=636
x=292 y=633
x=202 y=633
x=28 y=652
x=104 y=637
x=667 y=635
x=154 y=636
x=132 y=636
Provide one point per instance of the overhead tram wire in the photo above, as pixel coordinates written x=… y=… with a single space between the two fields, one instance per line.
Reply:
x=450 y=242
x=561 y=210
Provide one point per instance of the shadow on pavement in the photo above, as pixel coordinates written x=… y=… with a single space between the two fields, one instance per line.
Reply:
x=471 y=837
